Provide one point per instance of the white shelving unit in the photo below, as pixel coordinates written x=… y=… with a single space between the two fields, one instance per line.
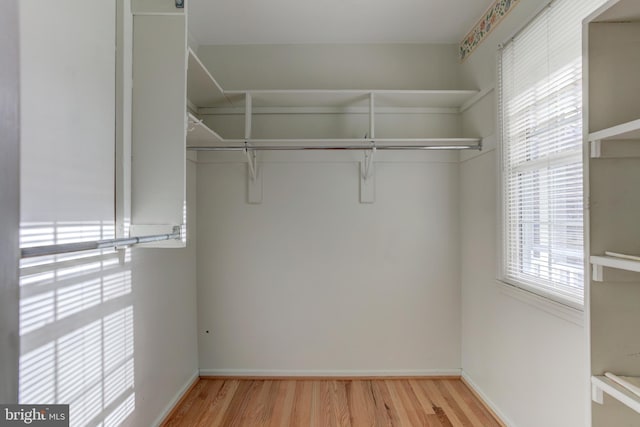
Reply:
x=602 y=385
x=598 y=262
x=625 y=131
x=333 y=121
x=207 y=97
x=354 y=98
x=612 y=132
x=604 y=142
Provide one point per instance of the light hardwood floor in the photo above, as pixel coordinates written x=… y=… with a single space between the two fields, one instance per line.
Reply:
x=327 y=403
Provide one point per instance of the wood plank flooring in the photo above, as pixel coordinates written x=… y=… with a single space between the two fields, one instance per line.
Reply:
x=329 y=403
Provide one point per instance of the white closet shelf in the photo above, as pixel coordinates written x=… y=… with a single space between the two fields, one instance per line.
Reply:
x=202 y=89
x=602 y=384
x=624 y=131
x=598 y=262
x=353 y=98
x=199 y=134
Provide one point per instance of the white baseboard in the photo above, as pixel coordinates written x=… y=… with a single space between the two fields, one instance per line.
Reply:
x=467 y=379
x=176 y=399
x=329 y=373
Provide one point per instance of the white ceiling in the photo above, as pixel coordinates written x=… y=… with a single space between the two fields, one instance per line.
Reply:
x=332 y=21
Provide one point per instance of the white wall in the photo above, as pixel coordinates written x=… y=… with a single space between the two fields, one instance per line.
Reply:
x=311 y=281
x=9 y=202
x=113 y=334
x=321 y=66
x=529 y=363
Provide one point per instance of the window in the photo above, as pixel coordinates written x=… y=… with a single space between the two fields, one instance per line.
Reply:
x=541 y=123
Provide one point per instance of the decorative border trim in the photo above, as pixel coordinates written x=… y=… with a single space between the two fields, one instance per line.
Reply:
x=485 y=25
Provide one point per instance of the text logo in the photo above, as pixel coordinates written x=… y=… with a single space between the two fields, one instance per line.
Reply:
x=34 y=415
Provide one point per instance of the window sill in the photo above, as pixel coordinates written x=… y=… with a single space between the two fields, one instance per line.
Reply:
x=550 y=306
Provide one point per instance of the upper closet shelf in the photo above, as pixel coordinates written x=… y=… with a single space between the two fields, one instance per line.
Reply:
x=625 y=131
x=354 y=98
x=202 y=89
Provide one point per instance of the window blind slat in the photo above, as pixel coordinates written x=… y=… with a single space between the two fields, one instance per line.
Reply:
x=540 y=81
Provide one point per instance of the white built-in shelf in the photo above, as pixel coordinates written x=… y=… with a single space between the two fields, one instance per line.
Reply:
x=204 y=92
x=625 y=131
x=208 y=97
x=202 y=89
x=199 y=134
x=598 y=262
x=601 y=385
x=424 y=98
x=354 y=98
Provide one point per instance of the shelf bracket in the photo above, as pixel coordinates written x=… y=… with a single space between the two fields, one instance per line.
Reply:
x=597 y=395
x=252 y=161
x=254 y=178
x=191 y=124
x=372 y=115
x=596 y=149
x=368 y=161
x=597 y=273
x=367 y=180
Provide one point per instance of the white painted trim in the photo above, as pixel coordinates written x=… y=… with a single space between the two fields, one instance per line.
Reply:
x=192 y=42
x=9 y=201
x=486 y=399
x=329 y=373
x=167 y=409
x=476 y=98
x=158 y=13
x=562 y=311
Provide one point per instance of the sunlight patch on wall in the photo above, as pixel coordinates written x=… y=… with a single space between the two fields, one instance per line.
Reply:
x=77 y=325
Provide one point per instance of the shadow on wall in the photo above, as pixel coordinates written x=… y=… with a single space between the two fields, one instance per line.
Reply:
x=76 y=325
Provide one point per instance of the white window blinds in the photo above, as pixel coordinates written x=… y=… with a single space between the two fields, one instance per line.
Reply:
x=541 y=119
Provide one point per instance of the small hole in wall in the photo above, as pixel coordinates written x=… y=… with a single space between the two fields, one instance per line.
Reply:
x=207 y=331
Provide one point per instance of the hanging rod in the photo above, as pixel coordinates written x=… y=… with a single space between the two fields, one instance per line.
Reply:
x=333 y=147
x=348 y=145
x=64 y=248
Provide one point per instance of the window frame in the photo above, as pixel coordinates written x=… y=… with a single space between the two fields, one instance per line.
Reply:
x=535 y=293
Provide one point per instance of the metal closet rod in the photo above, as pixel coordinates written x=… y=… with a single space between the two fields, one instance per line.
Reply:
x=64 y=248
x=333 y=147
